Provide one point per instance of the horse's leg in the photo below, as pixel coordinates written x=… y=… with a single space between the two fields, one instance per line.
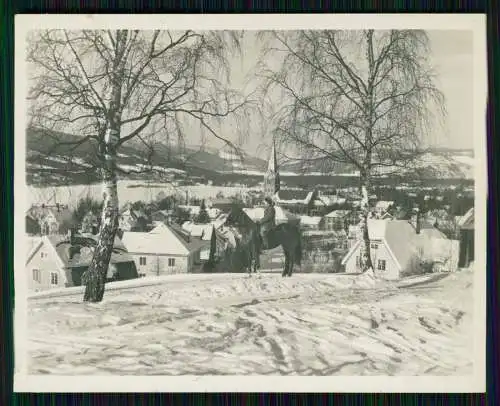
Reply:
x=290 y=263
x=285 y=269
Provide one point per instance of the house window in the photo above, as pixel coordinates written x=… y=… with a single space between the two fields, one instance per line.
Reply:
x=374 y=246
x=54 y=278
x=358 y=262
x=171 y=262
x=381 y=265
x=36 y=275
x=142 y=260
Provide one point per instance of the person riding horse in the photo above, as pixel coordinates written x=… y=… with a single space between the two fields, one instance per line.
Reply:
x=268 y=222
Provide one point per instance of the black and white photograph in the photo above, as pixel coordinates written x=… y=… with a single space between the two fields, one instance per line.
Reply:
x=250 y=203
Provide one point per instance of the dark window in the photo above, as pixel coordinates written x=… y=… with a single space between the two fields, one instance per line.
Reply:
x=54 y=278
x=142 y=260
x=36 y=275
x=381 y=265
x=171 y=262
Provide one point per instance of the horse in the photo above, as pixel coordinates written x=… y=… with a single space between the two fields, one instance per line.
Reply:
x=286 y=235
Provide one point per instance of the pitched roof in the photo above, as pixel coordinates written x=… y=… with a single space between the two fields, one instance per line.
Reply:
x=163 y=240
x=399 y=235
x=432 y=232
x=467 y=220
x=61 y=215
x=294 y=196
x=402 y=240
x=282 y=215
x=203 y=231
x=383 y=204
x=338 y=214
x=160 y=243
x=61 y=245
x=191 y=243
x=310 y=220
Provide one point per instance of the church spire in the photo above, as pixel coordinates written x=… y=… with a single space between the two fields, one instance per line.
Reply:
x=272 y=177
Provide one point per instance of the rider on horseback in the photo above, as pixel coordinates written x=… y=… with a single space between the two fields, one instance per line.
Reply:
x=267 y=223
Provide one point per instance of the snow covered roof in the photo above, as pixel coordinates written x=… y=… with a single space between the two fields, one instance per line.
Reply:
x=293 y=196
x=337 y=214
x=310 y=220
x=399 y=235
x=383 y=204
x=432 y=232
x=61 y=245
x=213 y=212
x=162 y=240
x=329 y=200
x=467 y=220
x=282 y=215
x=203 y=231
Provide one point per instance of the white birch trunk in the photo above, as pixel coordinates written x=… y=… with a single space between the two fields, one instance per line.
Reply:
x=365 y=255
x=95 y=276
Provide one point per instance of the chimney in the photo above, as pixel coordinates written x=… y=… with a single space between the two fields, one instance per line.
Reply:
x=58 y=207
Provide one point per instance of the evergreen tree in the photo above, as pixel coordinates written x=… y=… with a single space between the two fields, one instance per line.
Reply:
x=203 y=217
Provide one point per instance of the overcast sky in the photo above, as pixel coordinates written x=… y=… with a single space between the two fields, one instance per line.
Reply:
x=452 y=59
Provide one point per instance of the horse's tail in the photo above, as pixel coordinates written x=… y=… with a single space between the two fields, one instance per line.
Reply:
x=298 y=248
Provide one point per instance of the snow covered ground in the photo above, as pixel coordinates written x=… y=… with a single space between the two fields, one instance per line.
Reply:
x=309 y=324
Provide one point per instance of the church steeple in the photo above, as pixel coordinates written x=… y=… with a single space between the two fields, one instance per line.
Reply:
x=272 y=176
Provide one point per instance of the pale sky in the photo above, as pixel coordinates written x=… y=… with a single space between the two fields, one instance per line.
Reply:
x=452 y=59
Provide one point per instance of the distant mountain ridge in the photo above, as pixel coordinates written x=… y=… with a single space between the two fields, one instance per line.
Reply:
x=51 y=159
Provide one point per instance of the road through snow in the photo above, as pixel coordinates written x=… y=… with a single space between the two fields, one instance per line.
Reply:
x=304 y=325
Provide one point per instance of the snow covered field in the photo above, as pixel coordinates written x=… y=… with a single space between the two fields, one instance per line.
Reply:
x=127 y=192
x=309 y=324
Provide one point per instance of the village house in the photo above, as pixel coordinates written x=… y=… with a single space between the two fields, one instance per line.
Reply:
x=298 y=201
x=130 y=220
x=382 y=207
x=282 y=215
x=167 y=249
x=163 y=216
x=194 y=211
x=204 y=232
x=90 y=224
x=310 y=222
x=56 y=261
x=52 y=220
x=398 y=248
x=337 y=220
x=392 y=248
x=219 y=205
x=466 y=231
x=32 y=225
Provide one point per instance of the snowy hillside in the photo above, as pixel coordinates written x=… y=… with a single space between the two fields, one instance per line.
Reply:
x=231 y=324
x=50 y=162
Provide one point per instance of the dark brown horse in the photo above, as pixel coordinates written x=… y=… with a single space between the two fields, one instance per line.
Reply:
x=286 y=235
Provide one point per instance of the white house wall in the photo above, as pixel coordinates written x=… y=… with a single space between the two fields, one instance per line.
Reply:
x=46 y=264
x=157 y=265
x=382 y=253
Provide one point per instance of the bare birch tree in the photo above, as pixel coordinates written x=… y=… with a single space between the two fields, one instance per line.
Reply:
x=364 y=99
x=113 y=87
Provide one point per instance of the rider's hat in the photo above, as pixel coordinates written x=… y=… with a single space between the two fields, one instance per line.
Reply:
x=268 y=200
